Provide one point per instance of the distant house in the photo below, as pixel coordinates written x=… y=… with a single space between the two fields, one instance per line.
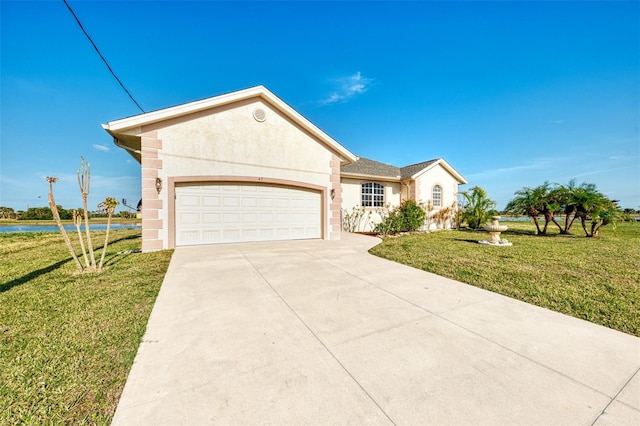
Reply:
x=245 y=166
x=378 y=186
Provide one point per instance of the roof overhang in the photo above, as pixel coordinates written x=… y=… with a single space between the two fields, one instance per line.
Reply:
x=126 y=131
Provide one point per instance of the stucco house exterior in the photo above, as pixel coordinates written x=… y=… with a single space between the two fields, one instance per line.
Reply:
x=245 y=166
x=378 y=186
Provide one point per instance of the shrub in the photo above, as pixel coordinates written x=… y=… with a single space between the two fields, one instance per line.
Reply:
x=407 y=217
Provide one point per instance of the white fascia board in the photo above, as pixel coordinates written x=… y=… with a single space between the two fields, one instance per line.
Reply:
x=137 y=121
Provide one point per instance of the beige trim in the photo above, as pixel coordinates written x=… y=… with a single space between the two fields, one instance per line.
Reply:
x=172 y=181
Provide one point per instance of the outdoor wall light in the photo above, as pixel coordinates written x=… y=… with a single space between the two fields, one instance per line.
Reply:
x=158 y=185
x=333 y=193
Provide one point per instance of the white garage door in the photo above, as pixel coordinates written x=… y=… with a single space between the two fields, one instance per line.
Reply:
x=230 y=213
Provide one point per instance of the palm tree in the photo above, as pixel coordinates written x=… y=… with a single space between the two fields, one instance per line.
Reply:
x=585 y=202
x=478 y=208
x=109 y=205
x=56 y=216
x=527 y=201
x=534 y=202
x=84 y=182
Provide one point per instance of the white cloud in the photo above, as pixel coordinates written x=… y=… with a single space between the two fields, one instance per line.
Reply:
x=535 y=164
x=346 y=88
x=102 y=148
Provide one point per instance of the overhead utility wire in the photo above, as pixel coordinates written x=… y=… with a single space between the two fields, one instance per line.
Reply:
x=102 y=57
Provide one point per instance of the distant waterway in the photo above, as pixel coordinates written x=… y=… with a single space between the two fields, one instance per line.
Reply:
x=69 y=228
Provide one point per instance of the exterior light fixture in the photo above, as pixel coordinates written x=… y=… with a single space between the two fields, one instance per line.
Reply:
x=333 y=193
x=158 y=185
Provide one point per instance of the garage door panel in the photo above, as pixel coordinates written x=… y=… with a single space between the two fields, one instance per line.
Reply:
x=219 y=213
x=210 y=218
x=190 y=218
x=208 y=200
x=190 y=201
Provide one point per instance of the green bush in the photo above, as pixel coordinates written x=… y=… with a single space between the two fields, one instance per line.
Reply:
x=407 y=217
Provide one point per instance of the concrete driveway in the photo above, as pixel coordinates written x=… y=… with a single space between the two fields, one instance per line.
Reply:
x=321 y=332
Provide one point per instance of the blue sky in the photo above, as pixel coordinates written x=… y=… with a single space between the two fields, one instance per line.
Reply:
x=510 y=93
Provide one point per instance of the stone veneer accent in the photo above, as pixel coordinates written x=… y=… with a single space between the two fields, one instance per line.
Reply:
x=335 y=222
x=152 y=204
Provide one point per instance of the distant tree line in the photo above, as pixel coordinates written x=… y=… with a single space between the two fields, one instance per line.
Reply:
x=44 y=213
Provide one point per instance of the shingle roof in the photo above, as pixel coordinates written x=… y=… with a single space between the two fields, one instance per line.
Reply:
x=364 y=166
x=408 y=171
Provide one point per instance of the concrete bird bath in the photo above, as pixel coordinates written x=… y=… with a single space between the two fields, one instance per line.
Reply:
x=494 y=229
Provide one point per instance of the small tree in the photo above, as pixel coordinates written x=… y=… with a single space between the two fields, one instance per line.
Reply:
x=77 y=221
x=84 y=182
x=478 y=208
x=54 y=210
x=109 y=206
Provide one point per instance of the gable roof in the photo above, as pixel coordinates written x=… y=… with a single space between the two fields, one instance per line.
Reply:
x=127 y=130
x=369 y=168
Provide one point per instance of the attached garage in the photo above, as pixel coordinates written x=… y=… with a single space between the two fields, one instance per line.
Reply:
x=223 y=212
x=238 y=167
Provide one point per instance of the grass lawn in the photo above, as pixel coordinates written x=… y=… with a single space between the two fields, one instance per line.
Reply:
x=596 y=279
x=68 y=340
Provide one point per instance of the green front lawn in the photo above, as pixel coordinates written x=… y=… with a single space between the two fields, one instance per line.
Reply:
x=68 y=340
x=596 y=279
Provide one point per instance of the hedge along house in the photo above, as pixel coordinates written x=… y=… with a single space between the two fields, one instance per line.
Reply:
x=243 y=166
x=375 y=186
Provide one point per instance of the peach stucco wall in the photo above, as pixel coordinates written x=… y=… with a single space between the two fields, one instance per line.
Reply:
x=229 y=141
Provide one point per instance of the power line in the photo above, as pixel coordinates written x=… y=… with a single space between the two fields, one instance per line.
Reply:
x=100 y=54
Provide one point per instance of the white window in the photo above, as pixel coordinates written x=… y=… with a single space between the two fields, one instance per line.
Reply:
x=372 y=194
x=437 y=196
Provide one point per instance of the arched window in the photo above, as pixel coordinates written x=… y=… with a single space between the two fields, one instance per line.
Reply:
x=437 y=196
x=372 y=194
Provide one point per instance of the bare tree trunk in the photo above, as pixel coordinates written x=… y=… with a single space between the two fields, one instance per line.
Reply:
x=106 y=241
x=568 y=223
x=584 y=225
x=84 y=182
x=87 y=231
x=56 y=216
x=77 y=220
x=535 y=222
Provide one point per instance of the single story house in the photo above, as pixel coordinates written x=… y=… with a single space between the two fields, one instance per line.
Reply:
x=378 y=186
x=245 y=166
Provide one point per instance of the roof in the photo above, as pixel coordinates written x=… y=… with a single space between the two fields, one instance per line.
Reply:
x=408 y=171
x=126 y=131
x=364 y=166
x=370 y=168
